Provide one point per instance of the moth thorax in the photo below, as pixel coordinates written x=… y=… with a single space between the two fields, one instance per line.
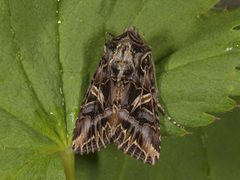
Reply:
x=122 y=59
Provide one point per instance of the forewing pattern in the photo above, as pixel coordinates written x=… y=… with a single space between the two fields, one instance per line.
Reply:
x=121 y=102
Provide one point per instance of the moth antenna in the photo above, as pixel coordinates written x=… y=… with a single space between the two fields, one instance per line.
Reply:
x=154 y=74
x=108 y=34
x=158 y=104
x=168 y=117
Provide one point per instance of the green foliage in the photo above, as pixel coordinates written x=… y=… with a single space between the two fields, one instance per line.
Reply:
x=49 y=51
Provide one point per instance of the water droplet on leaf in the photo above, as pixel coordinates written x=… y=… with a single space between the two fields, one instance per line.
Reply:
x=235 y=45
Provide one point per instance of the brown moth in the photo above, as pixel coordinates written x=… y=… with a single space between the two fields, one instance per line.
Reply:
x=121 y=102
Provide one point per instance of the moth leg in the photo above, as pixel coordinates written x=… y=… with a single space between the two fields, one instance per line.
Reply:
x=168 y=117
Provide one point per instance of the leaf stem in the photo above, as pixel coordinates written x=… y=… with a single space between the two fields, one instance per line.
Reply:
x=68 y=163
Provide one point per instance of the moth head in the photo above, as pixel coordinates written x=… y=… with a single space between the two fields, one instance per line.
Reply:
x=133 y=35
x=130 y=35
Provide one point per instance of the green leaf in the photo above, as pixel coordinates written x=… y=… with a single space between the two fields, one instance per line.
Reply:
x=49 y=51
x=32 y=117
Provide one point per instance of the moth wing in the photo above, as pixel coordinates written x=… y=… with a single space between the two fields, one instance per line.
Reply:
x=92 y=126
x=138 y=131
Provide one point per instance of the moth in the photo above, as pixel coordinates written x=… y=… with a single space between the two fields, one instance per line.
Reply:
x=121 y=103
